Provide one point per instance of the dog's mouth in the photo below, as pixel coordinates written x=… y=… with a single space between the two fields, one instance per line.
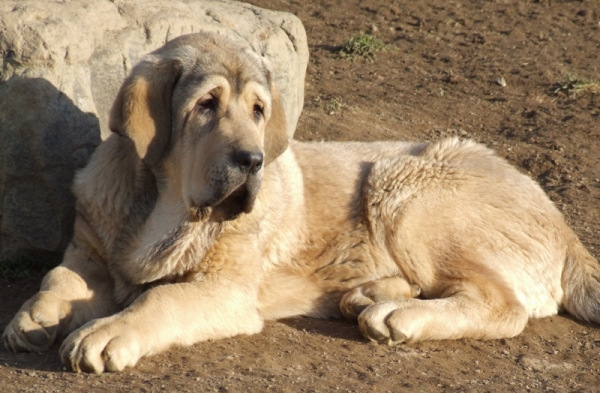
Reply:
x=240 y=200
x=237 y=202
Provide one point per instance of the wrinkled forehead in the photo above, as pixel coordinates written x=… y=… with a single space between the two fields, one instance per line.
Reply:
x=239 y=69
x=208 y=59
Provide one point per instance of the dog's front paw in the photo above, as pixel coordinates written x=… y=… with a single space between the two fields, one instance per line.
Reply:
x=102 y=345
x=388 y=322
x=38 y=323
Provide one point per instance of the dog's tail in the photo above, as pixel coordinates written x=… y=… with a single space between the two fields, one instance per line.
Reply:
x=581 y=283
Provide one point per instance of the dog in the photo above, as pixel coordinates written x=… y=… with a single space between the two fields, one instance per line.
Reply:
x=198 y=219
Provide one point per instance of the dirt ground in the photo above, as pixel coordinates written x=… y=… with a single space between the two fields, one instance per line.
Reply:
x=439 y=77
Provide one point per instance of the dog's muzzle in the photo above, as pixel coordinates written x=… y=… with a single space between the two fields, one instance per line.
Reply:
x=236 y=192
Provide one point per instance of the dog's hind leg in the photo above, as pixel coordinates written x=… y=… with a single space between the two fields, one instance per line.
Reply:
x=474 y=308
x=385 y=289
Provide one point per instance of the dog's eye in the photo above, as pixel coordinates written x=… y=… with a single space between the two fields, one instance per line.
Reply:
x=258 y=111
x=207 y=103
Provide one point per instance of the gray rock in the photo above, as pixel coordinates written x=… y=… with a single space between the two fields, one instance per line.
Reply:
x=44 y=139
x=62 y=64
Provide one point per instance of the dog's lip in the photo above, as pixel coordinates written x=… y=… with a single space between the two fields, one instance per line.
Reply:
x=236 y=202
x=240 y=193
x=235 y=192
x=239 y=196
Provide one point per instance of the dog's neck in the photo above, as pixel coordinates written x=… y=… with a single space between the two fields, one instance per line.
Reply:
x=166 y=247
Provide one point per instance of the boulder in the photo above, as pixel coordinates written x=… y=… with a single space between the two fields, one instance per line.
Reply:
x=62 y=64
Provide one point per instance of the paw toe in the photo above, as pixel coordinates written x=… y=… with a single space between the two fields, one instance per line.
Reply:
x=373 y=333
x=100 y=346
x=353 y=304
x=119 y=353
x=396 y=336
x=358 y=309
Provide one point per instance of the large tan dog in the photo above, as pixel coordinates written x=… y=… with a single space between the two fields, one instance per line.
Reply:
x=197 y=221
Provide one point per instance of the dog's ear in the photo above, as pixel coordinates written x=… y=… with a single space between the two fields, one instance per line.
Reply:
x=142 y=109
x=276 y=139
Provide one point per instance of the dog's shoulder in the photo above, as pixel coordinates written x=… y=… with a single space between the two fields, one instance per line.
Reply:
x=114 y=187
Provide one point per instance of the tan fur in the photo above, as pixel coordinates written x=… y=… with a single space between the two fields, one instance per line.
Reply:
x=389 y=288
x=142 y=110
x=197 y=221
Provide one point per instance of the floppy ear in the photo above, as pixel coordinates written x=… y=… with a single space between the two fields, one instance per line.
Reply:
x=142 y=109
x=276 y=139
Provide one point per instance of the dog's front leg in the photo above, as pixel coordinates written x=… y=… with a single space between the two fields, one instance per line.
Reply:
x=174 y=314
x=77 y=291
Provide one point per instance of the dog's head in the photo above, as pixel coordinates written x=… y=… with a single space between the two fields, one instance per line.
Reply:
x=205 y=113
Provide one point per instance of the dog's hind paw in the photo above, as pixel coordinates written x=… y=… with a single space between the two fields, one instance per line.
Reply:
x=353 y=303
x=389 y=288
x=382 y=322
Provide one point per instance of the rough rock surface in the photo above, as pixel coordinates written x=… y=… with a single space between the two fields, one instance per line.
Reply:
x=62 y=64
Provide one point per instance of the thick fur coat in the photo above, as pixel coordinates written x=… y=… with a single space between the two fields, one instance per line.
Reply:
x=199 y=220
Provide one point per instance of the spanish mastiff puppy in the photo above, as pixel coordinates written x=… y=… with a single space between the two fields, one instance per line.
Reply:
x=198 y=219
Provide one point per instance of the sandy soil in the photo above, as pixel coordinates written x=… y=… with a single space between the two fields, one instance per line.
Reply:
x=439 y=78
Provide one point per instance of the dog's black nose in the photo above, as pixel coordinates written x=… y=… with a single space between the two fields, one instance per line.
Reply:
x=248 y=160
